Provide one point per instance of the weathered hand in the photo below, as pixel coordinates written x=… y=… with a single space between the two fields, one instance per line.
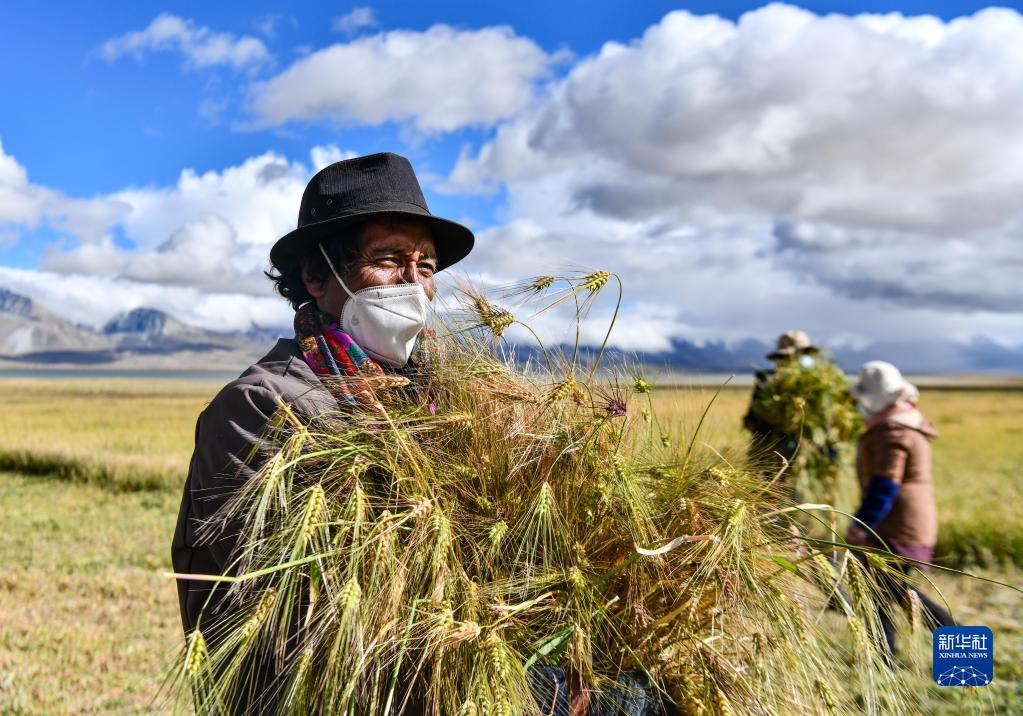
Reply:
x=856 y=535
x=580 y=697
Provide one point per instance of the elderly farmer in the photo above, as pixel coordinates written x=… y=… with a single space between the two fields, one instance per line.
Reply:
x=893 y=463
x=359 y=272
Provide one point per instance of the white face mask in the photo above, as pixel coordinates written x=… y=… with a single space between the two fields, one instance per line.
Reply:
x=383 y=320
x=807 y=361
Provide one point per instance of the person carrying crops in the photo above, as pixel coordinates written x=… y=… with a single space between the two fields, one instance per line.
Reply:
x=897 y=510
x=359 y=271
x=802 y=419
x=770 y=438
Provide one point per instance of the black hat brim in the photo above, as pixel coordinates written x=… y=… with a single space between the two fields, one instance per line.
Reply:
x=452 y=241
x=779 y=354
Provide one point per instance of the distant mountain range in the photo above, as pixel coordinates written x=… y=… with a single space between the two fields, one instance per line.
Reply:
x=141 y=338
x=979 y=355
x=147 y=338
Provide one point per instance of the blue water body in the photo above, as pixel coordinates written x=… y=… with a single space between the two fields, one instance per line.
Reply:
x=664 y=380
x=65 y=374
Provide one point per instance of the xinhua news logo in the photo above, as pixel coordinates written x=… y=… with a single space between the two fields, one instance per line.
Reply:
x=964 y=656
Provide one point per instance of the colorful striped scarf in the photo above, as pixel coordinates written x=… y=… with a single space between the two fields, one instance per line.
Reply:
x=332 y=353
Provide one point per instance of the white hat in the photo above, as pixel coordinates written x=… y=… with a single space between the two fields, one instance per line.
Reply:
x=880 y=385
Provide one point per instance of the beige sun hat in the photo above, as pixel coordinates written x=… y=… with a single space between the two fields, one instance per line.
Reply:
x=881 y=385
x=793 y=343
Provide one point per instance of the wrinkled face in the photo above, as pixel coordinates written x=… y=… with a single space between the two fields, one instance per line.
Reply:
x=389 y=252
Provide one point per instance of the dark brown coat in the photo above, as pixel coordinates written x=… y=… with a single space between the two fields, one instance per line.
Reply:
x=225 y=434
x=899 y=448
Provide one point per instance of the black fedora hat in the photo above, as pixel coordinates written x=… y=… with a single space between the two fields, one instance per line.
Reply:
x=354 y=190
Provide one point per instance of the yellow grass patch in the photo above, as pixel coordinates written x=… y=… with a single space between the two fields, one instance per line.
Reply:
x=135 y=434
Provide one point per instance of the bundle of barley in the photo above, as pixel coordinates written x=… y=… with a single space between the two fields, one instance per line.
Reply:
x=813 y=404
x=428 y=551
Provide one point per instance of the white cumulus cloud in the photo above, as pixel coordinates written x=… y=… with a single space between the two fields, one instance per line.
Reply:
x=437 y=80
x=19 y=201
x=201 y=254
x=199 y=45
x=94 y=300
x=23 y=203
x=208 y=232
x=326 y=155
x=357 y=19
x=854 y=175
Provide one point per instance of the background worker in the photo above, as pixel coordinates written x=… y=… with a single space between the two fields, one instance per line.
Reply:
x=893 y=462
x=773 y=443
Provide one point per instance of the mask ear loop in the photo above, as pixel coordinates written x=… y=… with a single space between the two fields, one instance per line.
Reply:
x=350 y=294
x=334 y=271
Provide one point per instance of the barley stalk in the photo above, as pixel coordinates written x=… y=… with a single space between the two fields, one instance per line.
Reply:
x=513 y=391
x=560 y=391
x=858 y=585
x=464 y=631
x=387 y=382
x=827 y=695
x=351 y=594
x=798 y=612
x=503 y=526
x=595 y=281
x=824 y=566
x=313 y=512
x=254 y=622
x=864 y=648
x=618 y=465
x=736 y=516
x=453 y=419
x=913 y=607
x=303 y=665
x=497 y=657
x=494 y=318
x=446 y=616
x=500 y=320
x=496 y=535
x=543 y=504
x=196 y=655
x=441 y=527
x=720 y=703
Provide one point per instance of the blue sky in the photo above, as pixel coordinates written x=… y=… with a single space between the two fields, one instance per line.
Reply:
x=745 y=168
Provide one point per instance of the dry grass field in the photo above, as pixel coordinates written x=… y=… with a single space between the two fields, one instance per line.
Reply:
x=977 y=461
x=126 y=434
x=87 y=621
x=91 y=478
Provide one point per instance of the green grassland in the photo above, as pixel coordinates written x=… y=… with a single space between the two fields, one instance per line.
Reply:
x=91 y=477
